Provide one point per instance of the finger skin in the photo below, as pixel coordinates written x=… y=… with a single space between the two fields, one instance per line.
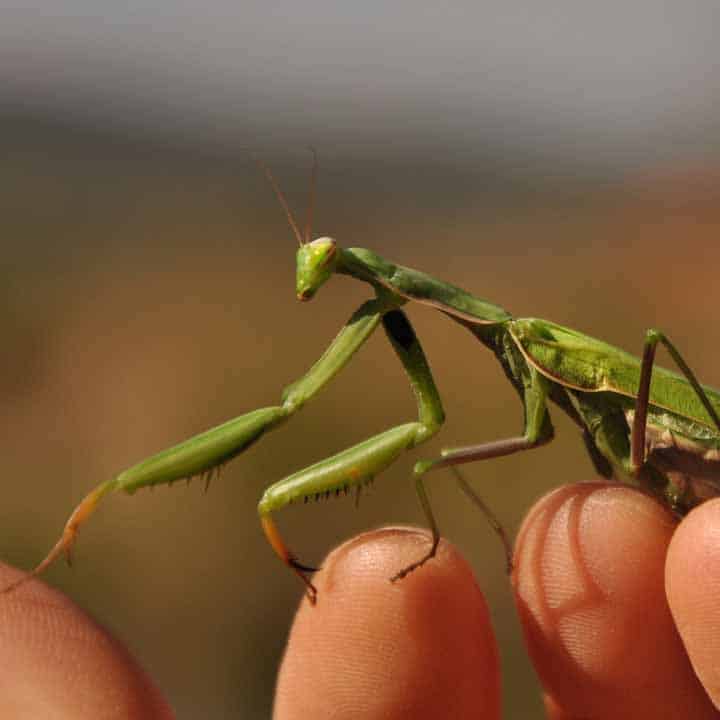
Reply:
x=421 y=647
x=56 y=662
x=692 y=580
x=590 y=590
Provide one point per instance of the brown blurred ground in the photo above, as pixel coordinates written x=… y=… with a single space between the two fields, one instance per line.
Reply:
x=146 y=293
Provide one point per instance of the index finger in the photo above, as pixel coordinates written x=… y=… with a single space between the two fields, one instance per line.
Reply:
x=418 y=648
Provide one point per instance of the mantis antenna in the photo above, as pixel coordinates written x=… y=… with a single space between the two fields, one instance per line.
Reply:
x=282 y=200
x=311 y=200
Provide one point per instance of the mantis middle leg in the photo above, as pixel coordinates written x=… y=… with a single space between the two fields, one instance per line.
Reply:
x=538 y=431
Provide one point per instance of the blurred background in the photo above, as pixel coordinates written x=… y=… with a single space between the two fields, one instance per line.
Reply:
x=560 y=160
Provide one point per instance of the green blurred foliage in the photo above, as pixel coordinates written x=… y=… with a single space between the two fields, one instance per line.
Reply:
x=146 y=293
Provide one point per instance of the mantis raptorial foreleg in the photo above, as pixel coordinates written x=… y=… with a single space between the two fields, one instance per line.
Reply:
x=538 y=431
x=205 y=452
x=362 y=462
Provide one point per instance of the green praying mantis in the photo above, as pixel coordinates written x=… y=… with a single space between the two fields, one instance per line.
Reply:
x=639 y=421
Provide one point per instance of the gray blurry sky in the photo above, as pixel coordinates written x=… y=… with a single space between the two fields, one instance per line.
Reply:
x=613 y=81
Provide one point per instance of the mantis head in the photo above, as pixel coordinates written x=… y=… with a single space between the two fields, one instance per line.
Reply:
x=316 y=262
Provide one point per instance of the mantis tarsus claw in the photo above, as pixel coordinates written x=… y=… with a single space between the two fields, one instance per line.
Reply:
x=414 y=566
x=304 y=568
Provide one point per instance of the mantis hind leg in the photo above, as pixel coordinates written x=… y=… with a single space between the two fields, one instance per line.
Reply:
x=203 y=454
x=637 y=436
x=679 y=496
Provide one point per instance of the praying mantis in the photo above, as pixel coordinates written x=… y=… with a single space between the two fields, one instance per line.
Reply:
x=657 y=428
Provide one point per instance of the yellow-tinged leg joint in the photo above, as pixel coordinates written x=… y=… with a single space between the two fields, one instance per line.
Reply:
x=281 y=550
x=65 y=544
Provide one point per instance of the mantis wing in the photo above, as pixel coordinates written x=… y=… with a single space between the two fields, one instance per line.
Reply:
x=583 y=363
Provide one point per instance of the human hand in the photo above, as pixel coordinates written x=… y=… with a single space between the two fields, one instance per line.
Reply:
x=604 y=580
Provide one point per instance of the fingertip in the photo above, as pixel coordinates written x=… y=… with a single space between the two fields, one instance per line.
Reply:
x=692 y=577
x=58 y=662
x=421 y=647
x=589 y=585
